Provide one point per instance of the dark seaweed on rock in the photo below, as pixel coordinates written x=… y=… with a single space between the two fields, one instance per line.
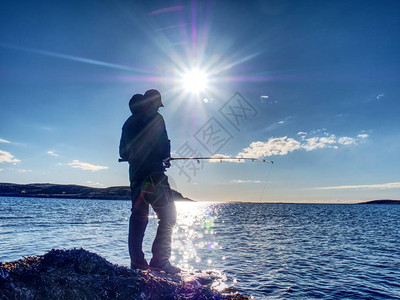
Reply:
x=79 y=274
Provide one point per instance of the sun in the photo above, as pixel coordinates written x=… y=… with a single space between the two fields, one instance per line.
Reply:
x=195 y=81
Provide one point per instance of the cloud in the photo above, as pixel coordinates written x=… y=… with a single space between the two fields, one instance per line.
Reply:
x=267 y=99
x=363 y=136
x=4 y=141
x=52 y=153
x=302 y=133
x=285 y=145
x=319 y=143
x=321 y=130
x=1 y=170
x=245 y=181
x=92 y=183
x=347 y=141
x=7 y=157
x=277 y=124
x=381 y=186
x=217 y=158
x=24 y=171
x=274 y=146
x=86 y=166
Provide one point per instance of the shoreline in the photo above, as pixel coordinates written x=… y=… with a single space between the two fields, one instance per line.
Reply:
x=71 y=191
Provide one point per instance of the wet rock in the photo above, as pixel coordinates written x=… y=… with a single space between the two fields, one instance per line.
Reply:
x=79 y=274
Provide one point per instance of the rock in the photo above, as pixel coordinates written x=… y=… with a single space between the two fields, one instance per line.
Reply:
x=79 y=274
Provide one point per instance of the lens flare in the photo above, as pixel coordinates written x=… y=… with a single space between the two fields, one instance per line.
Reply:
x=209 y=223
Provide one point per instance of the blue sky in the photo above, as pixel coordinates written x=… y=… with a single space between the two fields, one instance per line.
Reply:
x=317 y=83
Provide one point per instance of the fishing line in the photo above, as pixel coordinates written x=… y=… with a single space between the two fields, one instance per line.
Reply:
x=266 y=182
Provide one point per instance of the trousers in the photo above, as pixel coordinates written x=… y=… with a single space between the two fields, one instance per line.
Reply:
x=154 y=190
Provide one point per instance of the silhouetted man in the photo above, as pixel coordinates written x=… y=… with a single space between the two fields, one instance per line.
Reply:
x=145 y=145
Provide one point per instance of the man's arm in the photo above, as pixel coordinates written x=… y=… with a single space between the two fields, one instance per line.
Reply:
x=162 y=143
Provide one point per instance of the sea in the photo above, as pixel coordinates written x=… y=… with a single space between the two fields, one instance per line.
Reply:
x=265 y=251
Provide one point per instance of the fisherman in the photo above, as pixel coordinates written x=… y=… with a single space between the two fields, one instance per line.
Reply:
x=145 y=145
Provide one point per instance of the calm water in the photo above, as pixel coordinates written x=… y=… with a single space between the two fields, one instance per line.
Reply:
x=268 y=251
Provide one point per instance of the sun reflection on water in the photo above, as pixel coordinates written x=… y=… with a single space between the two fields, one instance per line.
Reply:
x=194 y=232
x=195 y=246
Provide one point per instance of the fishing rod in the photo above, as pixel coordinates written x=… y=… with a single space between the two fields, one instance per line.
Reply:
x=214 y=158
x=221 y=159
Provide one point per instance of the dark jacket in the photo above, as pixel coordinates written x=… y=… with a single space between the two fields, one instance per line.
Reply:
x=145 y=144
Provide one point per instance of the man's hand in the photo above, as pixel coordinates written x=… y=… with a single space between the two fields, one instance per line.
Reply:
x=167 y=162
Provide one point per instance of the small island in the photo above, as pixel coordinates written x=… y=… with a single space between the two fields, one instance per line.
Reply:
x=382 y=201
x=71 y=191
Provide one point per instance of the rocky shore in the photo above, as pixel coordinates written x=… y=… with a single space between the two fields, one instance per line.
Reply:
x=79 y=274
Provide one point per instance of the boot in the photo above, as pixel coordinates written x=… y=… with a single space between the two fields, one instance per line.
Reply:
x=166 y=267
x=139 y=264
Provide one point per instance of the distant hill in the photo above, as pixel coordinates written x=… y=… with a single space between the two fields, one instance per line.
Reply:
x=70 y=191
x=382 y=201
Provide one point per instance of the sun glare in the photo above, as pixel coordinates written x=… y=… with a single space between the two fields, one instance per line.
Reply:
x=195 y=81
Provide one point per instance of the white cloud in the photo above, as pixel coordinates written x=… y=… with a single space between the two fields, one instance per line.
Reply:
x=321 y=130
x=245 y=181
x=363 y=136
x=274 y=146
x=4 y=141
x=285 y=145
x=24 y=171
x=86 y=166
x=217 y=158
x=389 y=185
x=302 y=133
x=319 y=143
x=52 y=153
x=347 y=141
x=267 y=99
x=7 y=157
x=278 y=124
x=92 y=183
x=1 y=170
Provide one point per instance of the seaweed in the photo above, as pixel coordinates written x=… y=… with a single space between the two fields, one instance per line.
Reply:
x=80 y=274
